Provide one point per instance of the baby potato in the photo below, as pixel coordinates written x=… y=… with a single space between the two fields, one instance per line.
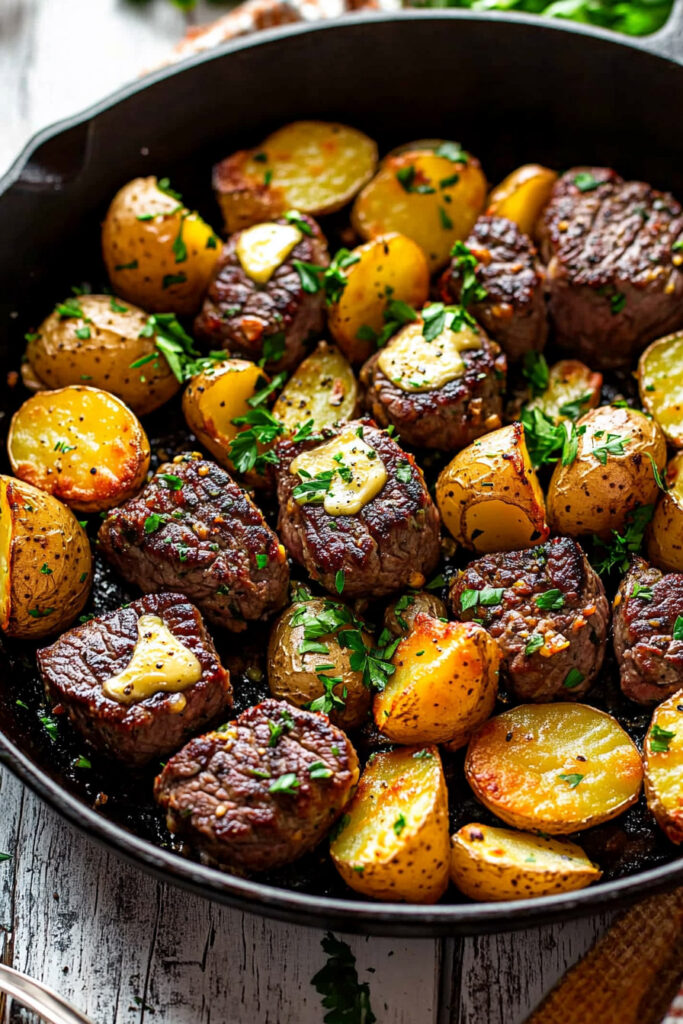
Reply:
x=400 y=615
x=388 y=268
x=322 y=388
x=97 y=338
x=660 y=383
x=489 y=495
x=611 y=474
x=665 y=532
x=299 y=669
x=572 y=390
x=554 y=768
x=497 y=864
x=663 y=757
x=522 y=196
x=431 y=195
x=312 y=166
x=80 y=444
x=392 y=843
x=444 y=686
x=45 y=562
x=157 y=253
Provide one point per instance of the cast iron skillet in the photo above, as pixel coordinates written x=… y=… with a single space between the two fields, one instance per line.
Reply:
x=513 y=89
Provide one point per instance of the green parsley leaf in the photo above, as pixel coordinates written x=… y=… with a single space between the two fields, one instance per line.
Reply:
x=45 y=569
x=614 y=444
x=621 y=547
x=82 y=332
x=452 y=151
x=168 y=280
x=678 y=628
x=573 y=679
x=536 y=371
x=164 y=185
x=409 y=180
x=133 y=265
x=277 y=728
x=261 y=561
x=82 y=762
x=446 y=222
x=399 y=824
x=287 y=783
x=465 y=262
x=4 y=857
x=550 y=599
x=585 y=181
x=295 y=218
x=656 y=474
x=310 y=275
x=617 y=303
x=319 y=770
x=575 y=407
x=339 y=580
x=346 y=999
x=70 y=308
x=534 y=643
x=404 y=472
x=572 y=780
x=116 y=306
x=49 y=724
x=660 y=739
x=644 y=593
x=179 y=249
x=172 y=482
x=153 y=522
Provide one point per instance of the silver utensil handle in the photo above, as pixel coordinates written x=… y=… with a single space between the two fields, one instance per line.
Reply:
x=50 y=1006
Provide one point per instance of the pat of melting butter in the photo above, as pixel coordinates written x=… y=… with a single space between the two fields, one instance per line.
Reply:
x=159 y=663
x=264 y=247
x=358 y=473
x=414 y=364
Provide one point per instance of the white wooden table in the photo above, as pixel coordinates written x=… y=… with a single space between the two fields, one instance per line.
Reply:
x=111 y=939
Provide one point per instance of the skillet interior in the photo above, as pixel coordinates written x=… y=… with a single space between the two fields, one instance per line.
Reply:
x=585 y=98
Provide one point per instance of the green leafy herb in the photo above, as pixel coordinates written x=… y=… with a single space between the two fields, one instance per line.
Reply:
x=49 y=724
x=287 y=783
x=319 y=770
x=164 y=185
x=438 y=317
x=452 y=151
x=551 y=599
x=82 y=762
x=446 y=222
x=334 y=278
x=572 y=780
x=82 y=332
x=261 y=561
x=179 y=249
x=64 y=447
x=466 y=264
x=116 y=307
x=614 y=444
x=70 y=308
x=656 y=474
x=618 y=551
x=339 y=580
x=273 y=348
x=536 y=371
x=644 y=593
x=545 y=439
x=310 y=275
x=660 y=739
x=585 y=181
x=346 y=999
x=399 y=824
x=40 y=613
x=423 y=755
x=534 y=643
x=277 y=728
x=153 y=522
x=176 y=346
x=172 y=482
x=133 y=265
x=168 y=280
x=575 y=407
x=295 y=218
x=409 y=180
x=404 y=472
x=617 y=303
x=45 y=569
x=573 y=679
x=4 y=857
x=678 y=628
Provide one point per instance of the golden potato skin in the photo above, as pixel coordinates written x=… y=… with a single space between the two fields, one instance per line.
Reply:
x=444 y=686
x=663 y=758
x=81 y=444
x=490 y=863
x=322 y=388
x=393 y=842
x=555 y=768
x=57 y=356
x=292 y=675
x=588 y=497
x=569 y=380
x=389 y=266
x=164 y=261
x=400 y=615
x=522 y=196
x=665 y=532
x=660 y=383
x=45 y=562
x=489 y=496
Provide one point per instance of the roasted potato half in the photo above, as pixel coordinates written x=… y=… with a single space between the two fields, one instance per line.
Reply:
x=393 y=843
x=444 y=686
x=490 y=863
x=301 y=669
x=388 y=269
x=665 y=532
x=81 y=444
x=660 y=382
x=157 y=253
x=98 y=339
x=312 y=166
x=432 y=195
x=663 y=756
x=489 y=495
x=400 y=615
x=554 y=768
x=611 y=474
x=522 y=196
x=322 y=388
x=45 y=562
x=572 y=390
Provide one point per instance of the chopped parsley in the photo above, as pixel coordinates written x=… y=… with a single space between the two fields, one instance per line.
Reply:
x=622 y=546
x=656 y=474
x=487 y=596
x=678 y=628
x=587 y=182
x=572 y=780
x=64 y=447
x=153 y=522
x=40 y=613
x=446 y=222
x=573 y=679
x=536 y=371
x=423 y=755
x=287 y=783
x=83 y=333
x=70 y=308
x=168 y=280
x=82 y=762
x=404 y=472
x=399 y=824
x=45 y=569
x=309 y=275
x=644 y=593
x=176 y=346
x=319 y=770
x=49 y=724
x=613 y=444
x=409 y=179
x=346 y=999
x=660 y=739
x=438 y=317
x=173 y=482
x=273 y=348
x=133 y=265
x=164 y=185
x=261 y=429
x=4 y=857
x=117 y=307
x=452 y=151
x=617 y=302
x=534 y=643
x=551 y=600
x=277 y=728
x=295 y=218
x=339 y=581
x=575 y=407
x=466 y=264
x=179 y=249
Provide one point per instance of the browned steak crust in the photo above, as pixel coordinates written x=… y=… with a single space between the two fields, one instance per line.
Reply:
x=390 y=544
x=204 y=538
x=77 y=665
x=571 y=620
x=646 y=608
x=217 y=794
x=242 y=316
x=615 y=281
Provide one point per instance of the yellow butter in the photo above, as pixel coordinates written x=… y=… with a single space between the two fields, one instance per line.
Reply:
x=414 y=364
x=358 y=472
x=262 y=248
x=160 y=663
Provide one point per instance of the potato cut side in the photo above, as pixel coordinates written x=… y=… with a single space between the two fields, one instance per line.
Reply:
x=660 y=382
x=663 y=752
x=489 y=495
x=665 y=533
x=572 y=390
x=444 y=685
x=322 y=388
x=554 y=768
x=389 y=269
x=393 y=842
x=497 y=864
x=218 y=396
x=81 y=444
x=522 y=196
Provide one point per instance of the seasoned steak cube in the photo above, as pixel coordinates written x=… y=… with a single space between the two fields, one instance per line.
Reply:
x=260 y=791
x=646 y=608
x=138 y=681
x=514 y=309
x=615 y=280
x=194 y=530
x=548 y=611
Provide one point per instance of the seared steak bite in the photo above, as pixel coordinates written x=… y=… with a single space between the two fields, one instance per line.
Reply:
x=547 y=609
x=355 y=511
x=137 y=682
x=262 y=790
x=647 y=606
x=272 y=317
x=514 y=309
x=452 y=413
x=615 y=281
x=194 y=530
